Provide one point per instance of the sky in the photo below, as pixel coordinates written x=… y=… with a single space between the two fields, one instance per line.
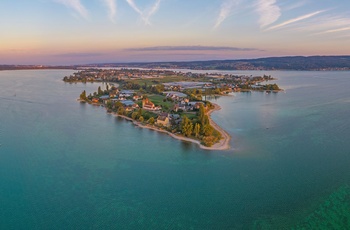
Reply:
x=63 y=32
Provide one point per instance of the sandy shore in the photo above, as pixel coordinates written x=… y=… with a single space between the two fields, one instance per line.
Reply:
x=223 y=144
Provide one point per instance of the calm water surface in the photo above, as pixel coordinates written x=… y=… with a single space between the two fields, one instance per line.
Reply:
x=66 y=165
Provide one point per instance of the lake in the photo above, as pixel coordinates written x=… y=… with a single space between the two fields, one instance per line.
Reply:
x=67 y=165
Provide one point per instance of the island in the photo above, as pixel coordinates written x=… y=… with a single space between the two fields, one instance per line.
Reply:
x=168 y=101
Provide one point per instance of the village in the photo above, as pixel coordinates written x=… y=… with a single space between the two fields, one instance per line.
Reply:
x=186 y=80
x=165 y=100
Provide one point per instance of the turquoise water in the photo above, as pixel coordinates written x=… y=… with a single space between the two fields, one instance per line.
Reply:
x=66 y=165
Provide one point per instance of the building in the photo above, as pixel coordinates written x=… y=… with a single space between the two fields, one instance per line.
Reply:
x=163 y=120
x=105 y=98
x=129 y=105
x=176 y=96
x=148 y=105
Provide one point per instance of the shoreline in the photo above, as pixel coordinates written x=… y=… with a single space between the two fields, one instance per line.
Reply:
x=223 y=144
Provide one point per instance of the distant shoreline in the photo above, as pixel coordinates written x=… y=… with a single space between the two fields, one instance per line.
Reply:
x=284 y=63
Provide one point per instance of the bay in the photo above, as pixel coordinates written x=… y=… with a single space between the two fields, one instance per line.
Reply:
x=67 y=165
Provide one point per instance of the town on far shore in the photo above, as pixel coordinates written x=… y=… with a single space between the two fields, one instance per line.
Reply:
x=171 y=101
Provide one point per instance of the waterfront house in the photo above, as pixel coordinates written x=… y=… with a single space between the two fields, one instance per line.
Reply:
x=129 y=105
x=163 y=120
x=104 y=98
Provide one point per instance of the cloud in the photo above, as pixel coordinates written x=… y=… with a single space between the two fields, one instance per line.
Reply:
x=337 y=30
x=294 y=20
x=112 y=9
x=226 y=10
x=154 y=8
x=321 y=24
x=133 y=5
x=75 y=5
x=295 y=6
x=191 y=48
x=269 y=12
x=77 y=55
x=146 y=14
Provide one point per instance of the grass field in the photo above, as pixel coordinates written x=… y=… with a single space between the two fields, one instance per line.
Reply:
x=190 y=115
x=164 y=79
x=159 y=80
x=158 y=100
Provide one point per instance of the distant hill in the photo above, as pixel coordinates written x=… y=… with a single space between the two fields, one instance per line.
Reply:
x=26 y=67
x=272 y=63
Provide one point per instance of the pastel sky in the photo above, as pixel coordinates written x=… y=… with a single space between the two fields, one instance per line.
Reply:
x=98 y=31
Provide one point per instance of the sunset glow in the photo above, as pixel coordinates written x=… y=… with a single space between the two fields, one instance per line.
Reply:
x=78 y=31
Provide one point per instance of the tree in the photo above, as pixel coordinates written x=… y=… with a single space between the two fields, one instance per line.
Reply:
x=83 y=96
x=141 y=119
x=197 y=130
x=134 y=115
x=118 y=104
x=151 y=120
x=139 y=113
x=209 y=105
x=109 y=105
x=201 y=115
x=275 y=87
x=209 y=141
x=187 y=126
x=99 y=91
x=121 y=111
x=208 y=130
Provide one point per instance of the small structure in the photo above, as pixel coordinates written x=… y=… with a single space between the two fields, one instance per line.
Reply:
x=175 y=119
x=176 y=96
x=163 y=120
x=136 y=97
x=129 y=105
x=112 y=95
x=127 y=92
x=105 y=98
x=179 y=107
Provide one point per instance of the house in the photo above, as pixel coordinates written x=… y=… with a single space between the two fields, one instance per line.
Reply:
x=175 y=119
x=129 y=105
x=130 y=92
x=112 y=95
x=184 y=101
x=179 y=107
x=148 y=105
x=176 y=96
x=105 y=98
x=194 y=105
x=163 y=120
x=137 y=97
x=198 y=105
x=125 y=95
x=257 y=86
